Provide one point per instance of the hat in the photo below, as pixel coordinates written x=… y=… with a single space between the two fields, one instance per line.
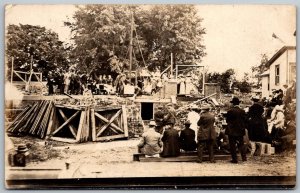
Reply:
x=22 y=148
x=255 y=98
x=187 y=122
x=193 y=106
x=152 y=123
x=235 y=100
x=205 y=107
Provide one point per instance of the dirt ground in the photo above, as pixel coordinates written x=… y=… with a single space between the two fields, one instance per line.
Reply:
x=115 y=159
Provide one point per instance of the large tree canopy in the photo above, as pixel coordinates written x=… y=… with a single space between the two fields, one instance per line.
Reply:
x=102 y=35
x=26 y=40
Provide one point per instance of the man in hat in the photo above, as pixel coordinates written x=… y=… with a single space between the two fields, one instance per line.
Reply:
x=206 y=133
x=170 y=115
x=170 y=140
x=150 y=143
x=187 y=138
x=236 y=118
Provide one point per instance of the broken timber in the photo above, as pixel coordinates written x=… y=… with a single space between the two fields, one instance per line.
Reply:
x=70 y=123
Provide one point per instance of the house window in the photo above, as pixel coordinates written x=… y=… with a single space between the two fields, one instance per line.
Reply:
x=292 y=75
x=277 y=74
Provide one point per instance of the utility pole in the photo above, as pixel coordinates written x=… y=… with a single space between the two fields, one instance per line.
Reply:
x=171 y=75
x=130 y=47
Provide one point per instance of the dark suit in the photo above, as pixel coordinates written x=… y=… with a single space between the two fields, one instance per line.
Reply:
x=187 y=140
x=170 y=143
x=206 y=135
x=236 y=119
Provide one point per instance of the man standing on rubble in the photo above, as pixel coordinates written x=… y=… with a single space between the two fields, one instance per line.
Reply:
x=206 y=133
x=235 y=119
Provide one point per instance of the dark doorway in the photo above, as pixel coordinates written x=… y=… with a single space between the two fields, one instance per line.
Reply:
x=147 y=111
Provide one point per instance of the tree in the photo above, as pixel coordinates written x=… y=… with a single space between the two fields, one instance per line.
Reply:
x=102 y=35
x=244 y=86
x=26 y=40
x=225 y=79
x=258 y=70
x=173 y=29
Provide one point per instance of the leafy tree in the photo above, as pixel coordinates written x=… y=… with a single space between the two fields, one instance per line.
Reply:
x=244 y=86
x=172 y=29
x=102 y=35
x=26 y=40
x=258 y=70
x=225 y=80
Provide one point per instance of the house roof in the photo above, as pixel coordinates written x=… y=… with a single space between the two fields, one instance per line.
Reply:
x=279 y=53
x=266 y=73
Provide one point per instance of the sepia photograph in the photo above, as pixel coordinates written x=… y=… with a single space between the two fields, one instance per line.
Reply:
x=150 y=96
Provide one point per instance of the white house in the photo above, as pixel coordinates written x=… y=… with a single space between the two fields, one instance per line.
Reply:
x=281 y=70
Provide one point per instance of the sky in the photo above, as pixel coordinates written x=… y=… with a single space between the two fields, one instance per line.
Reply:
x=236 y=35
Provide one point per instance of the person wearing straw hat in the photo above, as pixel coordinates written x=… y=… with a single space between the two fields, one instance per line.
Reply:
x=206 y=133
x=236 y=123
x=150 y=143
x=20 y=156
x=187 y=138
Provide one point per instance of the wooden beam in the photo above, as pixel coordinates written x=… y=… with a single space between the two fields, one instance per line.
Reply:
x=114 y=126
x=66 y=140
x=182 y=158
x=16 y=73
x=81 y=122
x=124 y=118
x=71 y=127
x=65 y=123
x=50 y=124
x=93 y=123
x=107 y=124
x=110 y=137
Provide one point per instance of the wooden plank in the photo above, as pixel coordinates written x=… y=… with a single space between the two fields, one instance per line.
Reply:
x=107 y=124
x=110 y=137
x=97 y=108
x=73 y=107
x=25 y=117
x=65 y=123
x=183 y=158
x=35 y=127
x=16 y=73
x=124 y=118
x=50 y=124
x=27 y=108
x=93 y=124
x=81 y=122
x=71 y=127
x=114 y=126
x=66 y=140
x=45 y=121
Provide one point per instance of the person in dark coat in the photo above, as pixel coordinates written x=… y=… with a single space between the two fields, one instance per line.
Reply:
x=170 y=141
x=236 y=118
x=159 y=119
x=256 y=124
x=206 y=133
x=50 y=82
x=187 y=138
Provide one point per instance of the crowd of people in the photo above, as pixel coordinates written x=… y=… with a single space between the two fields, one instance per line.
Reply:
x=71 y=81
x=270 y=121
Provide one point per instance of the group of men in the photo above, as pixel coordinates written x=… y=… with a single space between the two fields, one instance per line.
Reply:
x=165 y=141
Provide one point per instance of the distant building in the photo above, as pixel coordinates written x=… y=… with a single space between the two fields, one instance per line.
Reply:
x=281 y=70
